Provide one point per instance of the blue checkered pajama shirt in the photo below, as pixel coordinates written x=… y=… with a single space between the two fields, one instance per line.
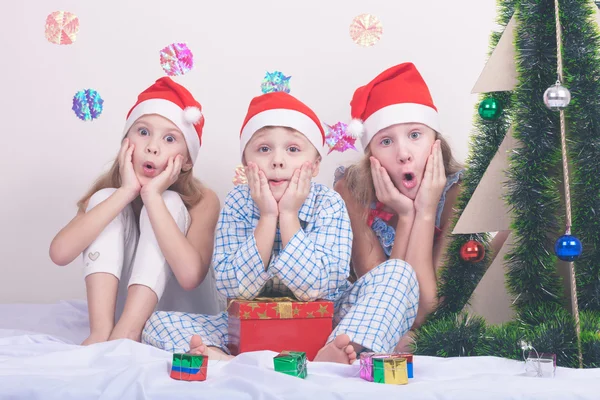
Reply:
x=375 y=311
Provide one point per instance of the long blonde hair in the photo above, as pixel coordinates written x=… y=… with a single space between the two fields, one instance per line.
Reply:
x=189 y=188
x=360 y=182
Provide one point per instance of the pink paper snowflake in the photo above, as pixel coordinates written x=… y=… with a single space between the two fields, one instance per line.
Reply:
x=338 y=139
x=176 y=59
x=62 y=27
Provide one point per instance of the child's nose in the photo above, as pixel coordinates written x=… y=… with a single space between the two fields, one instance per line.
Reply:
x=152 y=149
x=278 y=160
x=404 y=157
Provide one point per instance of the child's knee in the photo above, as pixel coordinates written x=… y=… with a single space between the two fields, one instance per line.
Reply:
x=176 y=208
x=99 y=197
x=173 y=201
x=396 y=273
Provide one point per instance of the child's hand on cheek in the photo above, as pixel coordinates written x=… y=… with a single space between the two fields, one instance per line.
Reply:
x=260 y=191
x=387 y=193
x=434 y=181
x=297 y=190
x=129 y=180
x=164 y=180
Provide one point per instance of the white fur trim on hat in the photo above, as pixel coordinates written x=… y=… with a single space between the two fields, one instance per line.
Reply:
x=284 y=117
x=399 y=114
x=173 y=113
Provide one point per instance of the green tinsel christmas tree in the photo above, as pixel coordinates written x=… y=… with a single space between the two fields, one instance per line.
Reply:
x=535 y=196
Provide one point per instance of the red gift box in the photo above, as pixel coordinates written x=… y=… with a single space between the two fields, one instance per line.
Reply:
x=279 y=324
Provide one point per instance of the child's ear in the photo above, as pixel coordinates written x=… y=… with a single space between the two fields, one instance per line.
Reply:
x=187 y=166
x=316 y=166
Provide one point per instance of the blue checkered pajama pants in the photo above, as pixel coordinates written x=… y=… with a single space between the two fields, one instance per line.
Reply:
x=375 y=311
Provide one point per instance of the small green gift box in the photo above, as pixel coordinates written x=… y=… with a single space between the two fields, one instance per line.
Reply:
x=291 y=363
x=189 y=367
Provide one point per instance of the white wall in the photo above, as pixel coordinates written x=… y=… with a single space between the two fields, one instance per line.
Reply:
x=50 y=157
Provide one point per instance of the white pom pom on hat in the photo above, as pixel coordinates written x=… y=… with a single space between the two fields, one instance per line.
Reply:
x=192 y=115
x=356 y=128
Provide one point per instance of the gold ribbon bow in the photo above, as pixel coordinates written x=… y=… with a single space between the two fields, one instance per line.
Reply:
x=284 y=305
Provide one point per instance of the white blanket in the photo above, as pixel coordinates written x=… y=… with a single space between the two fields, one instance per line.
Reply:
x=40 y=360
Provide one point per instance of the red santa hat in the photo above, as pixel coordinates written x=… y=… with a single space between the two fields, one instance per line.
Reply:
x=397 y=95
x=174 y=102
x=282 y=109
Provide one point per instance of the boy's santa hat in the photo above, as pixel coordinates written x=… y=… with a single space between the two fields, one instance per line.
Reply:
x=282 y=109
x=174 y=102
x=397 y=95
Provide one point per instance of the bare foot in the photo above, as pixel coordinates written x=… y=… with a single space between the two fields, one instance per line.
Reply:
x=197 y=346
x=213 y=353
x=405 y=345
x=95 y=337
x=120 y=333
x=339 y=351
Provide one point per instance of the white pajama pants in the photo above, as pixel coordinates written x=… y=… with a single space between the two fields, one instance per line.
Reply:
x=131 y=253
x=375 y=312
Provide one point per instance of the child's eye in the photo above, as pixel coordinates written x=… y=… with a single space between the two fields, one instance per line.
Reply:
x=415 y=135
x=170 y=139
x=263 y=149
x=386 y=141
x=143 y=131
x=293 y=149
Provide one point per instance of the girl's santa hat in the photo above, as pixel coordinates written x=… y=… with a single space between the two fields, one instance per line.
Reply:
x=282 y=109
x=174 y=102
x=397 y=95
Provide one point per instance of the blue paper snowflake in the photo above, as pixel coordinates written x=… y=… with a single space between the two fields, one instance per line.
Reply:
x=275 y=82
x=87 y=104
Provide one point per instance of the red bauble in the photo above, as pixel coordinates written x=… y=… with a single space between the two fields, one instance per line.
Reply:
x=472 y=251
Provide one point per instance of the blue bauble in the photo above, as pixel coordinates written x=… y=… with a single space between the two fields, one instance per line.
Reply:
x=568 y=248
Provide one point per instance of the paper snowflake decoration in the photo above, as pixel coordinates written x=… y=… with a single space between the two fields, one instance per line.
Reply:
x=275 y=82
x=366 y=30
x=62 y=27
x=176 y=59
x=338 y=139
x=240 y=176
x=87 y=104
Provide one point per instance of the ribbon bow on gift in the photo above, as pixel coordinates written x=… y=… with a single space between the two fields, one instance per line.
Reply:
x=284 y=305
x=378 y=212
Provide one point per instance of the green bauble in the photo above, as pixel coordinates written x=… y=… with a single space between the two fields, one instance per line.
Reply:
x=490 y=109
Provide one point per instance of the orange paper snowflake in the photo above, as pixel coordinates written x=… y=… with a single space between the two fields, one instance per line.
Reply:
x=240 y=176
x=366 y=30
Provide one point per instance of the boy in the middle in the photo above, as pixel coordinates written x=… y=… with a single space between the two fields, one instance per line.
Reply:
x=279 y=235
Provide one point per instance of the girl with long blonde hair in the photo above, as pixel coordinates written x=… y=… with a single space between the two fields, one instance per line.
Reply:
x=146 y=227
x=400 y=196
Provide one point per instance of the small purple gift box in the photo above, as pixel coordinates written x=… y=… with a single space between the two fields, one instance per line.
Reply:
x=366 y=366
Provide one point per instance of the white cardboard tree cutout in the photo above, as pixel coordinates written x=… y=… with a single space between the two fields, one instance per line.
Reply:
x=487 y=212
x=500 y=71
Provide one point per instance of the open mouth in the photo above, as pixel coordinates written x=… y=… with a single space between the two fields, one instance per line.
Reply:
x=149 y=168
x=277 y=182
x=409 y=180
